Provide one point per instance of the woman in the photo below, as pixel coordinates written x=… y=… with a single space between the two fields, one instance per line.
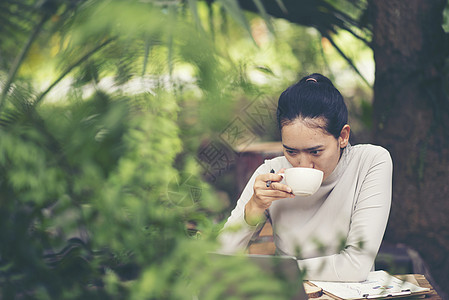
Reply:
x=335 y=233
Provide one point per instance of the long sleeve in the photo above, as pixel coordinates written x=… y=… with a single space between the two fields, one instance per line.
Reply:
x=236 y=233
x=335 y=233
x=367 y=227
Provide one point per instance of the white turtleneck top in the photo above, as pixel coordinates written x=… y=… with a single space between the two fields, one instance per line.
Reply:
x=336 y=233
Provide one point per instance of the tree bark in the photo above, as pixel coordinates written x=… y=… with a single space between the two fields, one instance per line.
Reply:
x=411 y=117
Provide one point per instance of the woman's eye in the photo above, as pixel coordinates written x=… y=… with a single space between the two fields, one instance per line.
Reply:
x=290 y=152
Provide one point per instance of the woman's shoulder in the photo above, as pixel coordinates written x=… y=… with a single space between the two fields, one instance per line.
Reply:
x=366 y=151
x=369 y=148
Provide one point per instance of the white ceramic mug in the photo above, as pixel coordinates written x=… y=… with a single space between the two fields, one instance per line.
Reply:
x=303 y=181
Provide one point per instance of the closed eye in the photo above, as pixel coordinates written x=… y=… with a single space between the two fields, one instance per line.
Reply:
x=290 y=152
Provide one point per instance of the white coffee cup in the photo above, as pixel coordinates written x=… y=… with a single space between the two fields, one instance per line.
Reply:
x=303 y=181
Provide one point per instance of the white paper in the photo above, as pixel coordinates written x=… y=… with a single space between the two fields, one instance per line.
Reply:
x=378 y=284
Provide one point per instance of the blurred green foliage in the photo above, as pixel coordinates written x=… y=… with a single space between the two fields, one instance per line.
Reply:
x=85 y=207
x=104 y=107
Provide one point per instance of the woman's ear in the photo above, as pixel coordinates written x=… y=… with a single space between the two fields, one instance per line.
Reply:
x=343 y=139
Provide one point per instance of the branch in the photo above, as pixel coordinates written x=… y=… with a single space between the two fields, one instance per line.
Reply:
x=20 y=58
x=70 y=68
x=348 y=60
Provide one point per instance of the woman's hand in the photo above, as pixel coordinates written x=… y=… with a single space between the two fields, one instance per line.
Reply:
x=264 y=194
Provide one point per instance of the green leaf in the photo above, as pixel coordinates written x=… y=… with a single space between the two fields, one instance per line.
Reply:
x=282 y=6
x=194 y=9
x=233 y=8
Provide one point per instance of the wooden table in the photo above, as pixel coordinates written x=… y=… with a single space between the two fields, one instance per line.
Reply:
x=422 y=281
x=314 y=292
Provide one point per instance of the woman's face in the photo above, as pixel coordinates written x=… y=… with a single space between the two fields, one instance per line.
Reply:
x=307 y=144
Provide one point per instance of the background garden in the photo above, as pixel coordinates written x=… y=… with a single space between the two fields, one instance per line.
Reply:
x=117 y=155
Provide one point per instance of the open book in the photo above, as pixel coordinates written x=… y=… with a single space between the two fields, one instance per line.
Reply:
x=379 y=284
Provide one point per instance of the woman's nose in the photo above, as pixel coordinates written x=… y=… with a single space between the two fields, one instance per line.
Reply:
x=305 y=162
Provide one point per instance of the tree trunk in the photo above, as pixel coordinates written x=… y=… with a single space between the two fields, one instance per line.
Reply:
x=411 y=117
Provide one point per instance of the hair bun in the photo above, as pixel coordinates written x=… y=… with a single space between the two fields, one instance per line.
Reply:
x=314 y=96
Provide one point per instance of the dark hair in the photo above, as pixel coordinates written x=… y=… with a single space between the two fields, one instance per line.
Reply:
x=312 y=97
